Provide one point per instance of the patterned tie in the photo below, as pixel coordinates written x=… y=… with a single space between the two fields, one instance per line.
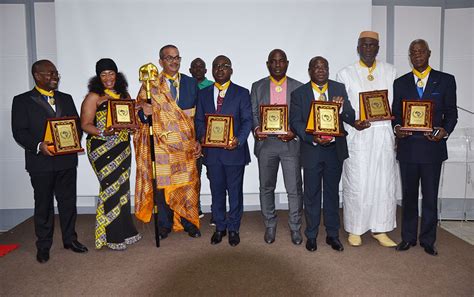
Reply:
x=48 y=99
x=173 y=89
x=419 y=89
x=220 y=102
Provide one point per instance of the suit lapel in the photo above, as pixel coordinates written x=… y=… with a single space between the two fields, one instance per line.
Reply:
x=330 y=86
x=38 y=98
x=228 y=98
x=211 y=101
x=431 y=84
x=59 y=105
x=265 y=95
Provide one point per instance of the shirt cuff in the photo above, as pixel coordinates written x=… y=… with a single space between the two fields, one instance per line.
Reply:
x=394 y=129
x=38 y=148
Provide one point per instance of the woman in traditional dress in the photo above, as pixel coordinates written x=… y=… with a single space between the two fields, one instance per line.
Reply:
x=110 y=156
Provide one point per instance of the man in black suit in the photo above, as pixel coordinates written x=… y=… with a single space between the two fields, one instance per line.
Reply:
x=421 y=154
x=50 y=175
x=321 y=157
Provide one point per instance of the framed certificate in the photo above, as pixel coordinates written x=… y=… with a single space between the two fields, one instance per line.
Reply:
x=323 y=119
x=274 y=119
x=121 y=114
x=417 y=115
x=374 y=106
x=63 y=134
x=219 y=130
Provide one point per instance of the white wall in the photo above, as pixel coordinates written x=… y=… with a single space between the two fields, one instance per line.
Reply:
x=15 y=188
x=242 y=30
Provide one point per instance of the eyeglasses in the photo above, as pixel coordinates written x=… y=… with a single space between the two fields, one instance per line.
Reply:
x=222 y=66
x=170 y=59
x=50 y=74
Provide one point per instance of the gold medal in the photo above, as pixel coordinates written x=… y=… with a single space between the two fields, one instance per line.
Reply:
x=175 y=83
x=222 y=94
x=420 y=84
x=322 y=97
x=370 y=77
x=51 y=101
x=278 y=89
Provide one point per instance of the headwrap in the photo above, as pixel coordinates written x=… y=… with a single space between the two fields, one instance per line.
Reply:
x=105 y=64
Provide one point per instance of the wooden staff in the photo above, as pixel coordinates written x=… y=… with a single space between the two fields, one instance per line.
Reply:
x=148 y=73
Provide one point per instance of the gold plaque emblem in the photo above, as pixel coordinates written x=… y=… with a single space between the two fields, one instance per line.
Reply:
x=123 y=113
x=274 y=119
x=417 y=115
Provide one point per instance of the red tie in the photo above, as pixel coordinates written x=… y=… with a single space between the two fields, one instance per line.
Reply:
x=220 y=101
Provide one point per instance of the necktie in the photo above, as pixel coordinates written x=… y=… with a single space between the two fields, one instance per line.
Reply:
x=220 y=102
x=48 y=99
x=419 y=89
x=322 y=96
x=173 y=89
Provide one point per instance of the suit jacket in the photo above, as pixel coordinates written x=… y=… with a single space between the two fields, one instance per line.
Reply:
x=301 y=100
x=188 y=90
x=29 y=114
x=236 y=103
x=441 y=88
x=260 y=95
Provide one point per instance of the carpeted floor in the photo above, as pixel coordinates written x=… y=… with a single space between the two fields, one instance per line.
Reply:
x=184 y=266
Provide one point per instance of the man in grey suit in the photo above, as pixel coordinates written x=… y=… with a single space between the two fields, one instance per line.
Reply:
x=273 y=150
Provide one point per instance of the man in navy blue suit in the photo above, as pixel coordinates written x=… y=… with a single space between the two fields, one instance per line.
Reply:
x=225 y=166
x=321 y=157
x=421 y=154
x=183 y=89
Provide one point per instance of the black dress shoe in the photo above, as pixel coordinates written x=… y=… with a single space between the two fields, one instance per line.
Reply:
x=76 y=247
x=163 y=232
x=42 y=255
x=193 y=231
x=269 y=236
x=296 y=237
x=217 y=236
x=429 y=249
x=404 y=246
x=335 y=243
x=234 y=238
x=311 y=244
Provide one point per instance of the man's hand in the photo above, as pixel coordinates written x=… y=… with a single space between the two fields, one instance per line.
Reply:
x=233 y=144
x=197 y=150
x=146 y=107
x=338 y=99
x=401 y=134
x=322 y=141
x=287 y=137
x=361 y=125
x=441 y=134
x=44 y=148
x=259 y=135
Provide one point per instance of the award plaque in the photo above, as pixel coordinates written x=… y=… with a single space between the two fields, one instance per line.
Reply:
x=219 y=130
x=323 y=119
x=121 y=114
x=274 y=119
x=63 y=134
x=417 y=115
x=374 y=106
